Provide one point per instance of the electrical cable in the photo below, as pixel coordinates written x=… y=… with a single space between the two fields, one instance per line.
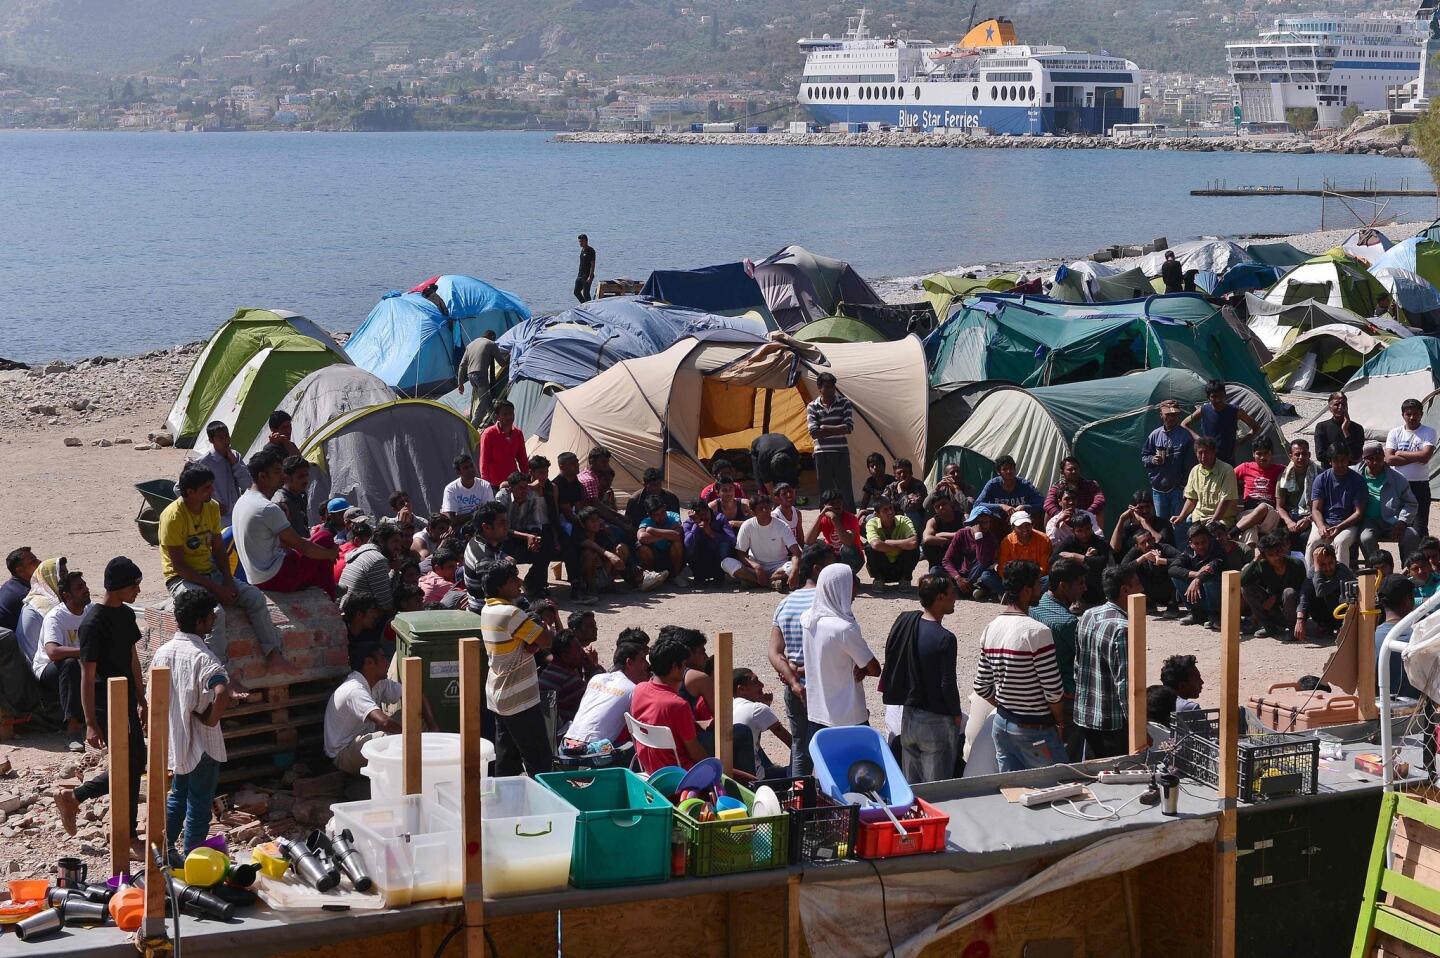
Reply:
x=445 y=942
x=1112 y=813
x=884 y=905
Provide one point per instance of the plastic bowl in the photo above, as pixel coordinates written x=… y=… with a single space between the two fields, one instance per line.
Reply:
x=28 y=889
x=664 y=780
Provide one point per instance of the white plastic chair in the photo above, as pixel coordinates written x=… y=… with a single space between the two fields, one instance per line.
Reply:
x=658 y=737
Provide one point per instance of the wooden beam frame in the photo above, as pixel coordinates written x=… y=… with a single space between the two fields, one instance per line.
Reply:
x=1366 y=683
x=117 y=740
x=724 y=701
x=472 y=704
x=157 y=762
x=1139 y=733
x=411 y=723
x=1229 y=771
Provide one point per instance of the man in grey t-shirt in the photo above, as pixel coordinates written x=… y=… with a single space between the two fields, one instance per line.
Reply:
x=275 y=558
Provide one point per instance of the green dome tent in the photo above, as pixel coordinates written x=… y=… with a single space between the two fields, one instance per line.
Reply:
x=261 y=385
x=1324 y=358
x=943 y=290
x=1332 y=280
x=1282 y=255
x=839 y=329
x=1040 y=342
x=228 y=352
x=1101 y=422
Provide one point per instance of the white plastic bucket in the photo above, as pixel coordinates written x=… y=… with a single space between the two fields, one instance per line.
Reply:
x=439 y=763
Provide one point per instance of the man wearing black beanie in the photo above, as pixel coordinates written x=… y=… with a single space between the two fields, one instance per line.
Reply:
x=109 y=637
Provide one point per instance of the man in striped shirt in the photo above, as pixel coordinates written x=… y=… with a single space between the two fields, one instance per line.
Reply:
x=512 y=687
x=787 y=652
x=831 y=419
x=1019 y=677
x=1102 y=663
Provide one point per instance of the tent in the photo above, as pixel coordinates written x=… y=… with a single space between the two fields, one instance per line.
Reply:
x=1332 y=280
x=260 y=387
x=677 y=410
x=1243 y=277
x=724 y=290
x=1366 y=244
x=1276 y=325
x=367 y=454
x=228 y=351
x=944 y=289
x=1417 y=298
x=1101 y=422
x=1087 y=282
x=1324 y=358
x=564 y=350
x=839 y=329
x=323 y=395
x=415 y=348
x=1212 y=256
x=1418 y=254
x=800 y=287
x=1281 y=254
x=1406 y=369
x=1039 y=342
x=893 y=320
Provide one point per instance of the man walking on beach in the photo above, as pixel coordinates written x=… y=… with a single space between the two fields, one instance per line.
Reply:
x=586 y=277
x=1172 y=273
x=831 y=419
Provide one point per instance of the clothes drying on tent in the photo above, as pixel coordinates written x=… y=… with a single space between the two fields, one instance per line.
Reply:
x=676 y=410
x=1332 y=280
x=1039 y=342
x=800 y=287
x=228 y=351
x=943 y=290
x=566 y=349
x=1406 y=369
x=893 y=320
x=415 y=347
x=1213 y=256
x=1103 y=423
x=322 y=396
x=1087 y=282
x=1281 y=254
x=367 y=454
x=727 y=289
x=1324 y=358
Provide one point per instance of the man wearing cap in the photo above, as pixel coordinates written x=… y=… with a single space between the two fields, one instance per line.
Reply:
x=225 y=464
x=193 y=558
x=332 y=530
x=1390 y=505
x=970 y=557
x=109 y=639
x=1024 y=543
x=275 y=558
x=1168 y=456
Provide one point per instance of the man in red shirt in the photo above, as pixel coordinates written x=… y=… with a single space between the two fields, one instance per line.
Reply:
x=1258 y=480
x=657 y=702
x=502 y=448
x=839 y=529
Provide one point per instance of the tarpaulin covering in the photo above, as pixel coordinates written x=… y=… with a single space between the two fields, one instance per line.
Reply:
x=415 y=348
x=1243 y=277
x=1215 y=256
x=727 y=289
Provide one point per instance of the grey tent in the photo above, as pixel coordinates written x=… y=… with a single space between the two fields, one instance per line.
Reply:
x=406 y=444
x=322 y=396
x=1282 y=254
x=801 y=287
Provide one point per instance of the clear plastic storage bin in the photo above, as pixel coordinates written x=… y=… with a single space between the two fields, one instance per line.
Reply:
x=439 y=763
x=411 y=846
x=529 y=833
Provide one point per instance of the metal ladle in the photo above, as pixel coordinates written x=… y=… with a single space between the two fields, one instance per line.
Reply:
x=867 y=778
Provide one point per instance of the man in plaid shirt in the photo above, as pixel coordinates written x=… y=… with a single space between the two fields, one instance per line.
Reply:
x=1102 y=661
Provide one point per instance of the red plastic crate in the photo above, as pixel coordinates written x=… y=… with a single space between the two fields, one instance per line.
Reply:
x=924 y=834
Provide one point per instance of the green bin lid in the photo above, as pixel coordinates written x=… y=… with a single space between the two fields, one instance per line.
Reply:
x=437 y=624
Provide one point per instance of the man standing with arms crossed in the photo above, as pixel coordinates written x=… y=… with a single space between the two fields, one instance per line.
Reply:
x=586 y=276
x=831 y=420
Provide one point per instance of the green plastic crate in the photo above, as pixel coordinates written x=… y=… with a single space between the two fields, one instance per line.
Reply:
x=622 y=836
x=730 y=847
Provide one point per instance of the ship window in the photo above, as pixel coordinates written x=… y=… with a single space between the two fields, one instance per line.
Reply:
x=974 y=93
x=847 y=93
x=917 y=93
x=1032 y=93
x=994 y=93
x=1004 y=93
x=863 y=94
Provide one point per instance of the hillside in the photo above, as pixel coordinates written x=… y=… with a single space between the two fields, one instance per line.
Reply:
x=660 y=36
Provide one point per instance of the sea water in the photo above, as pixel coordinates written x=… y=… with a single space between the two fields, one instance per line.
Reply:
x=116 y=243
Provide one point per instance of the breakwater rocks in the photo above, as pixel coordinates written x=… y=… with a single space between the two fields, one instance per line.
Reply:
x=900 y=139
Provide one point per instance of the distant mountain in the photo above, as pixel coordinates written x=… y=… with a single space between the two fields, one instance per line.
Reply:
x=603 y=36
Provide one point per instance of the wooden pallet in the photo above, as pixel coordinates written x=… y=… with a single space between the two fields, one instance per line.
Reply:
x=274 y=728
x=1400 y=914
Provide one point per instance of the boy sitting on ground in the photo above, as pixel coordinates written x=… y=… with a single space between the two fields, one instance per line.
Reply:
x=660 y=541
x=892 y=547
x=603 y=559
x=765 y=549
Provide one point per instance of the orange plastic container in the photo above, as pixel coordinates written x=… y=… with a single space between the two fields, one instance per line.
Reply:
x=1286 y=708
x=127 y=908
x=28 y=889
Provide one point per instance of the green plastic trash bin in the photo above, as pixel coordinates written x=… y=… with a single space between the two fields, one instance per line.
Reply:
x=435 y=638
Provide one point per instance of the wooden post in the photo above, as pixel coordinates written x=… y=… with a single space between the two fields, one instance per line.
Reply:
x=411 y=722
x=117 y=740
x=1366 y=686
x=1139 y=733
x=793 y=935
x=157 y=761
x=1229 y=772
x=724 y=696
x=472 y=703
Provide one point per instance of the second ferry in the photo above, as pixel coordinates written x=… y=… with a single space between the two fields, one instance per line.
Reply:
x=987 y=81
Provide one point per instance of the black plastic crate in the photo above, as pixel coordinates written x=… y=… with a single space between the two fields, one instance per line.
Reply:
x=821 y=829
x=1270 y=766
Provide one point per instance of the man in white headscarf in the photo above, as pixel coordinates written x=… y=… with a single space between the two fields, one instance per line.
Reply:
x=837 y=660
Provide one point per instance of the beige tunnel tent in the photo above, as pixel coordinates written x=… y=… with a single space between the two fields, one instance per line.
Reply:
x=677 y=409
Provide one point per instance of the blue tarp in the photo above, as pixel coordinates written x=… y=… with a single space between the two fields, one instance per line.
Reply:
x=1247 y=276
x=726 y=288
x=415 y=348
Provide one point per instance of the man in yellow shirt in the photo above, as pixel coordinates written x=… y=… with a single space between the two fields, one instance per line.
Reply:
x=1024 y=542
x=192 y=556
x=1211 y=491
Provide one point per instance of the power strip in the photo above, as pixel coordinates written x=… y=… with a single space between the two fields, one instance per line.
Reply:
x=1129 y=776
x=1053 y=794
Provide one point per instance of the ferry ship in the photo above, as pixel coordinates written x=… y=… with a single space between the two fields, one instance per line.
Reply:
x=1326 y=63
x=986 y=81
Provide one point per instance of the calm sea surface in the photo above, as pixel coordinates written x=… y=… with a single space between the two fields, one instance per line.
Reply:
x=116 y=243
